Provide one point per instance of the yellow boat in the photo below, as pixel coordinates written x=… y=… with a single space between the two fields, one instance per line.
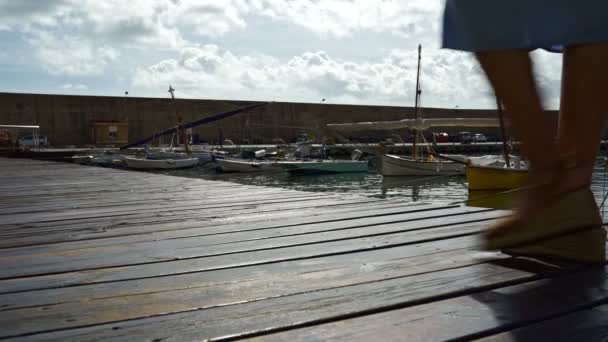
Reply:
x=495 y=178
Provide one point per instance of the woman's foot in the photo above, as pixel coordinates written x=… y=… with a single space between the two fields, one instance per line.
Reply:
x=587 y=247
x=550 y=217
x=537 y=197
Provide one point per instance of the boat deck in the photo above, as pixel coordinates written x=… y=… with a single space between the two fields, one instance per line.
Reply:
x=90 y=254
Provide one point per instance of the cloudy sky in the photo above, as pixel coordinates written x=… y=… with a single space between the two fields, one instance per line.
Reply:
x=346 y=51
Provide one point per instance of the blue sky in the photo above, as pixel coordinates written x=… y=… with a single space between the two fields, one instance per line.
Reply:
x=346 y=51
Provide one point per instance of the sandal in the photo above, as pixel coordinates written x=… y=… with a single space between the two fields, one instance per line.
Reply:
x=575 y=211
x=587 y=247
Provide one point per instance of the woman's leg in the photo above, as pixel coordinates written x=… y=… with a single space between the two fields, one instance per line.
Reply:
x=584 y=103
x=546 y=215
x=510 y=73
x=581 y=122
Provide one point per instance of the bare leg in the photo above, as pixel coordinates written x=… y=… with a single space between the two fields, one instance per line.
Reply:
x=582 y=110
x=510 y=73
x=543 y=213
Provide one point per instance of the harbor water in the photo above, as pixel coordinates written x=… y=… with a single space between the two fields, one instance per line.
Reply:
x=433 y=189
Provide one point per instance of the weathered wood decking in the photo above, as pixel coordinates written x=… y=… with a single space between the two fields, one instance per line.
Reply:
x=89 y=254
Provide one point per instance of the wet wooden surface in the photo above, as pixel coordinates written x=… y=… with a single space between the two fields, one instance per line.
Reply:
x=90 y=254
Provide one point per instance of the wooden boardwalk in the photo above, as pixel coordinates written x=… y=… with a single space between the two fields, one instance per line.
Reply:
x=90 y=254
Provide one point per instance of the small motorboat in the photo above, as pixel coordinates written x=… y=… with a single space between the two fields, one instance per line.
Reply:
x=106 y=159
x=164 y=164
x=246 y=165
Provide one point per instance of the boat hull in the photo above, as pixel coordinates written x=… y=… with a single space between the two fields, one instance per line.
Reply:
x=398 y=166
x=324 y=167
x=232 y=165
x=160 y=164
x=495 y=178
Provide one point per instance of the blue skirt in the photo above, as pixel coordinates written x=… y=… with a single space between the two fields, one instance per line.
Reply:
x=485 y=25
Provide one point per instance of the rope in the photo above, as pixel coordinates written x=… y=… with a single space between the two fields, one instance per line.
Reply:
x=523 y=188
x=604 y=193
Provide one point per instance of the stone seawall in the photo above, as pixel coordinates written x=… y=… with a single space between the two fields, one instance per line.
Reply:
x=68 y=119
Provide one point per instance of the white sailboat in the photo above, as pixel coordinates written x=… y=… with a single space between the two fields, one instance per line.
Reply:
x=166 y=160
x=417 y=165
x=393 y=165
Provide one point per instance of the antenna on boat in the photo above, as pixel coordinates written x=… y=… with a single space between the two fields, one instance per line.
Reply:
x=182 y=134
x=416 y=100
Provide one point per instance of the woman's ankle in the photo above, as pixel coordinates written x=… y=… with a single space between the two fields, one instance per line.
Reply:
x=574 y=178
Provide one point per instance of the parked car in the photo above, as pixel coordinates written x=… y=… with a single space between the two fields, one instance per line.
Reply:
x=441 y=137
x=465 y=137
x=479 y=138
x=28 y=140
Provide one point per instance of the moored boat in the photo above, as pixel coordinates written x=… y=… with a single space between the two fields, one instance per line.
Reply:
x=487 y=177
x=106 y=159
x=245 y=165
x=156 y=164
x=402 y=166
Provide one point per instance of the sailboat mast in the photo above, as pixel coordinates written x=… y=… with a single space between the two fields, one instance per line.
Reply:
x=182 y=133
x=505 y=147
x=417 y=83
x=416 y=99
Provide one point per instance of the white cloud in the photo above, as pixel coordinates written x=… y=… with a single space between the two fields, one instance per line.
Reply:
x=71 y=55
x=207 y=71
x=162 y=41
x=340 y=18
x=213 y=18
x=24 y=13
x=157 y=23
x=135 y=23
x=97 y=28
x=162 y=22
x=74 y=86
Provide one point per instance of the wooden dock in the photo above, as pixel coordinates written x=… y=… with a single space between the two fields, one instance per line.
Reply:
x=90 y=254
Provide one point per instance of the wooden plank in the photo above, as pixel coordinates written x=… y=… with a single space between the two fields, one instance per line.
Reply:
x=474 y=315
x=222 y=234
x=243 y=319
x=171 y=216
x=167 y=250
x=267 y=280
x=109 y=187
x=153 y=187
x=343 y=210
x=141 y=212
x=104 y=202
x=166 y=223
x=134 y=200
x=78 y=207
x=209 y=263
x=171 y=193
